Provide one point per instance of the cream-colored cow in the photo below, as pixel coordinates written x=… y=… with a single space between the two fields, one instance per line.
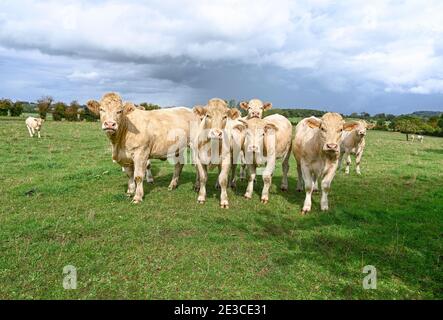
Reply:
x=138 y=136
x=212 y=145
x=353 y=142
x=255 y=108
x=34 y=125
x=316 y=147
x=266 y=140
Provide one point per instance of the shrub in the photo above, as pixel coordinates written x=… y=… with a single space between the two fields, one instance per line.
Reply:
x=43 y=105
x=89 y=116
x=59 y=111
x=16 y=109
x=5 y=106
x=71 y=113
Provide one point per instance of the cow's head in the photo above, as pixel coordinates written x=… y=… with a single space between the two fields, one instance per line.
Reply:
x=257 y=132
x=255 y=108
x=214 y=117
x=111 y=111
x=331 y=126
x=39 y=123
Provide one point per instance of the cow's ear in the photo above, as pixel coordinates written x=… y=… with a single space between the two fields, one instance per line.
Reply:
x=128 y=107
x=233 y=113
x=267 y=106
x=270 y=126
x=313 y=123
x=244 y=105
x=94 y=107
x=349 y=126
x=240 y=127
x=199 y=110
x=369 y=125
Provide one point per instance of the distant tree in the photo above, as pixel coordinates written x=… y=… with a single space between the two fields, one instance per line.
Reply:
x=433 y=121
x=380 y=116
x=59 y=110
x=365 y=115
x=5 y=106
x=149 y=106
x=88 y=115
x=408 y=126
x=440 y=122
x=232 y=103
x=44 y=105
x=381 y=125
x=16 y=109
x=71 y=113
x=354 y=115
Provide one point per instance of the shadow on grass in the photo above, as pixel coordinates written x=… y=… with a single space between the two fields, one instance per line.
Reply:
x=437 y=151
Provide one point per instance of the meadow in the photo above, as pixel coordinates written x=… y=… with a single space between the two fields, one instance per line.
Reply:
x=62 y=202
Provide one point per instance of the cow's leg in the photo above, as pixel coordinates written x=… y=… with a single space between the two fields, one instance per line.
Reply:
x=29 y=130
x=233 y=178
x=299 y=178
x=267 y=180
x=178 y=169
x=242 y=166
x=250 y=187
x=340 y=160
x=33 y=131
x=315 y=185
x=38 y=132
x=358 y=161
x=325 y=187
x=149 y=176
x=309 y=187
x=131 y=183
x=197 y=180
x=223 y=182
x=217 y=183
x=348 y=162
x=203 y=177
x=140 y=163
x=285 y=170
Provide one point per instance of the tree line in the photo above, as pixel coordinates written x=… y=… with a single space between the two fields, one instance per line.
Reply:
x=59 y=110
x=422 y=122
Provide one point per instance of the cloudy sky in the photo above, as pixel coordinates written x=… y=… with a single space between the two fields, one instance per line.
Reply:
x=353 y=55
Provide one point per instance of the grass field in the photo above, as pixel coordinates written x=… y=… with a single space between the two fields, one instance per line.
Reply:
x=171 y=247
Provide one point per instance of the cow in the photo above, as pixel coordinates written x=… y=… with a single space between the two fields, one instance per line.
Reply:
x=212 y=146
x=316 y=147
x=255 y=108
x=33 y=125
x=420 y=138
x=137 y=136
x=353 y=142
x=266 y=140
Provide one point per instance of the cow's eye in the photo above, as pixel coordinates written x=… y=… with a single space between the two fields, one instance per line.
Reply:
x=341 y=130
x=225 y=117
x=102 y=110
x=119 y=111
x=208 y=116
x=323 y=129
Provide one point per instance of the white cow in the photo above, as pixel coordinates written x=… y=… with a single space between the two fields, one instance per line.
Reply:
x=316 y=148
x=353 y=142
x=33 y=125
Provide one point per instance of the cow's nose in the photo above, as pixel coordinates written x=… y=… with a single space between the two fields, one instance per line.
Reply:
x=332 y=146
x=255 y=115
x=252 y=148
x=110 y=124
x=217 y=134
x=362 y=133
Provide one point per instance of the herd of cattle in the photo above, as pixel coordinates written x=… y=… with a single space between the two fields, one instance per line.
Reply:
x=219 y=137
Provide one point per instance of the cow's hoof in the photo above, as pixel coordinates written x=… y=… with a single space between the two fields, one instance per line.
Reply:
x=248 y=197
x=217 y=186
x=233 y=186
x=264 y=201
x=150 y=181
x=326 y=208
x=284 y=188
x=129 y=194
x=299 y=190
x=172 y=187
x=224 y=205
x=201 y=200
x=136 y=200
x=305 y=210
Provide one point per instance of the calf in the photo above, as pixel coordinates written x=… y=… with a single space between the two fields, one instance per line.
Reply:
x=353 y=142
x=33 y=125
x=266 y=140
x=137 y=136
x=212 y=145
x=316 y=147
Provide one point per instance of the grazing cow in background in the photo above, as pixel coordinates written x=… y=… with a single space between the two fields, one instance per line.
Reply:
x=419 y=137
x=266 y=140
x=353 y=142
x=255 y=108
x=212 y=145
x=316 y=147
x=138 y=136
x=33 y=125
